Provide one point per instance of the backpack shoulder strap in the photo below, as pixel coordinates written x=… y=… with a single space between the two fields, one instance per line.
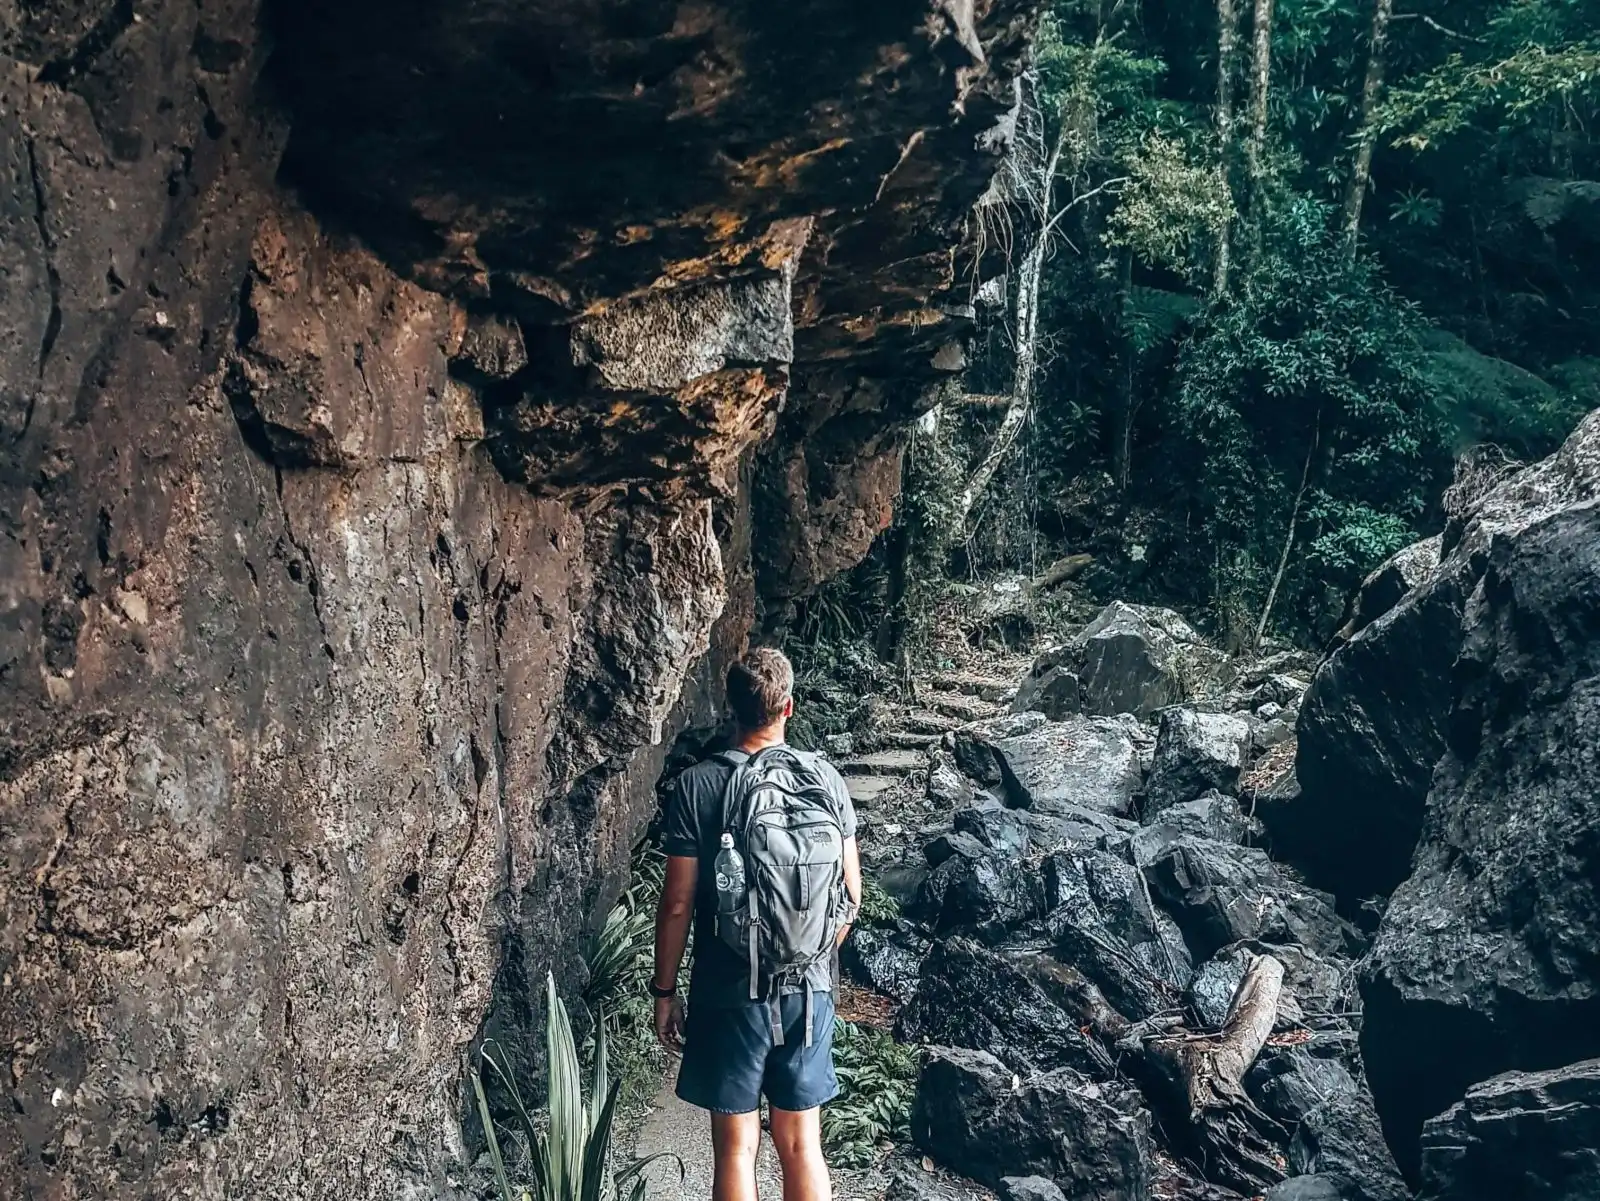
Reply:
x=736 y=761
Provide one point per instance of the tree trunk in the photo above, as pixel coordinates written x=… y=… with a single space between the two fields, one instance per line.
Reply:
x=1016 y=417
x=1260 y=77
x=1127 y=406
x=894 y=630
x=1366 y=133
x=1288 y=538
x=1029 y=276
x=1225 y=1129
x=1227 y=52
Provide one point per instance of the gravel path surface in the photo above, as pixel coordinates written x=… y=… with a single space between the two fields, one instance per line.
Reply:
x=676 y=1128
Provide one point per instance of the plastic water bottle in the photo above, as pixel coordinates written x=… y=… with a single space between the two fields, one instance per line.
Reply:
x=730 y=877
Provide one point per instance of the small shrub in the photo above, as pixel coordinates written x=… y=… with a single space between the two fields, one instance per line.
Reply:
x=620 y=960
x=877 y=1082
x=878 y=908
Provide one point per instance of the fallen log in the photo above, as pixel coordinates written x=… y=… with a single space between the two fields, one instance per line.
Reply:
x=1196 y=1081
x=1059 y=572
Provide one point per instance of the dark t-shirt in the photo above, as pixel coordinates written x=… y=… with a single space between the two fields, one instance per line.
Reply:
x=692 y=827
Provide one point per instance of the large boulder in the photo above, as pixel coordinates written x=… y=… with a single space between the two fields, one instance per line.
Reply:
x=1129 y=659
x=1532 y=1136
x=977 y=890
x=909 y=1182
x=994 y=826
x=1073 y=826
x=1313 y=1188
x=1089 y=1139
x=1220 y=894
x=951 y=843
x=1387 y=586
x=1102 y=920
x=1374 y=724
x=1214 y=815
x=1485 y=960
x=1341 y=1140
x=1195 y=752
x=885 y=959
x=1079 y=763
x=1289 y=1083
x=948 y=786
x=972 y=745
x=1371 y=728
x=971 y=996
x=1029 y=1188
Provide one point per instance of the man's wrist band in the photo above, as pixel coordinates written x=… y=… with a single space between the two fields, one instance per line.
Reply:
x=662 y=994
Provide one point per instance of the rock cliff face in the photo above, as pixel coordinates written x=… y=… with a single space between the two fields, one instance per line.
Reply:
x=1454 y=737
x=385 y=421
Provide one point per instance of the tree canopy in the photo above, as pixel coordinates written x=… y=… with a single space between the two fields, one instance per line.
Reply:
x=1292 y=258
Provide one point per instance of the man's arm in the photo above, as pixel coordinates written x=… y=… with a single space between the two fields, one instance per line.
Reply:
x=852 y=879
x=673 y=915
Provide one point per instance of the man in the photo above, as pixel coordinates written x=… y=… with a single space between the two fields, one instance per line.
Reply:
x=735 y=1048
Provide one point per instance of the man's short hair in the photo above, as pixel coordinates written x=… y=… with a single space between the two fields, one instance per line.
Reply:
x=758 y=687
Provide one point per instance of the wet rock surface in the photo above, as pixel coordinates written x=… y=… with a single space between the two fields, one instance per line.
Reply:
x=1340 y=1140
x=1029 y=1188
x=1195 y=753
x=1220 y=894
x=1080 y=763
x=974 y=997
x=1533 y=1135
x=888 y=961
x=1485 y=958
x=1090 y=1140
x=1132 y=935
x=1130 y=659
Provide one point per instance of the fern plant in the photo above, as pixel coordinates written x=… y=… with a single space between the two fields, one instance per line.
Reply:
x=877 y=1082
x=569 y=1156
x=878 y=908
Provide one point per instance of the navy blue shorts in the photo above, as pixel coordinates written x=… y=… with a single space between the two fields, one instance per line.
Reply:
x=729 y=1059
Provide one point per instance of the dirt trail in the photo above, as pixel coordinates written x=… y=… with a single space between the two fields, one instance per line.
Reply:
x=676 y=1128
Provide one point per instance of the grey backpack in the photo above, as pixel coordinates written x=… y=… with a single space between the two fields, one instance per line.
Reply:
x=788 y=829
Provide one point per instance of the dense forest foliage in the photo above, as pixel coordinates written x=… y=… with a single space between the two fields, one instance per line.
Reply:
x=1272 y=274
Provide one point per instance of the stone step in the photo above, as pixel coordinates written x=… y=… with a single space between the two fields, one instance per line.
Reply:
x=884 y=763
x=921 y=721
x=989 y=688
x=908 y=739
x=967 y=708
x=865 y=790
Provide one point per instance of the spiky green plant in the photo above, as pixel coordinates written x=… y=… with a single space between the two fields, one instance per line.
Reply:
x=619 y=957
x=620 y=960
x=569 y=1156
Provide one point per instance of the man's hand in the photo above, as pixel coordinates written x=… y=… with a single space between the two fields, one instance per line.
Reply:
x=672 y=934
x=852 y=887
x=669 y=1023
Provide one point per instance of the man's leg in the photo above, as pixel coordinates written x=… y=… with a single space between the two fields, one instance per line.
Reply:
x=798 y=1138
x=735 y=1138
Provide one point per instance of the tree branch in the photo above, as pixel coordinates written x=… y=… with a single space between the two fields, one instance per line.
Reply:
x=1079 y=199
x=1434 y=25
